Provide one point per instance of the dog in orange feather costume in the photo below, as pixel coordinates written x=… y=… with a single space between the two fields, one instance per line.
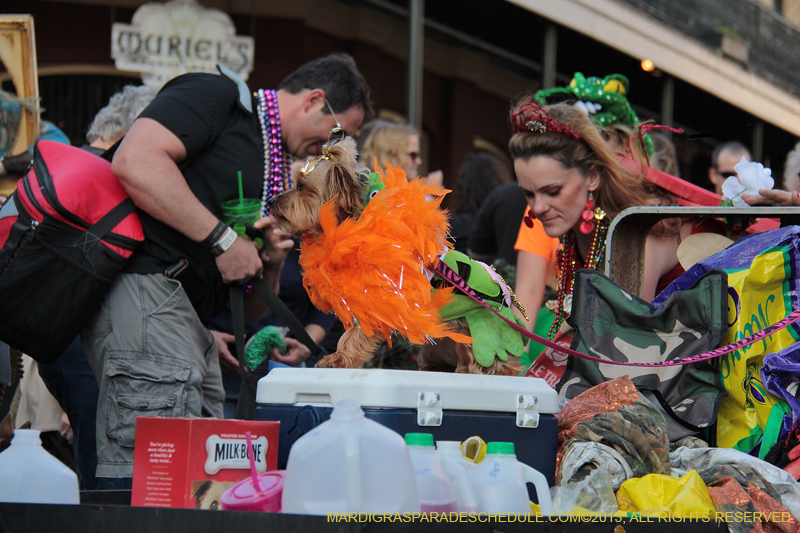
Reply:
x=368 y=260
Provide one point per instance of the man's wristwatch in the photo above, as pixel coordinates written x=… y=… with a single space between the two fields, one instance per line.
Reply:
x=224 y=243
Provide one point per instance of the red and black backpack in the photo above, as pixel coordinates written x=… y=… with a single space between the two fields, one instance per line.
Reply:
x=65 y=234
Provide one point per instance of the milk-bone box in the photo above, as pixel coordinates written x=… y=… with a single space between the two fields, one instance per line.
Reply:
x=190 y=462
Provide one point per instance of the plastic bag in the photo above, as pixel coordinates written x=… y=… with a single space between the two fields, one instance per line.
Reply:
x=666 y=496
x=593 y=493
x=616 y=414
x=762 y=279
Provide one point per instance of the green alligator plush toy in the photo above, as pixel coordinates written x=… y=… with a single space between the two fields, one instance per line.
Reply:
x=493 y=337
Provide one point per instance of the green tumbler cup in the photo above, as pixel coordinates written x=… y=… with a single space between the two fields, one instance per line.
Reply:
x=237 y=214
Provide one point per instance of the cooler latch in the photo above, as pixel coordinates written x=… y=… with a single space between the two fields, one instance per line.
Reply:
x=429 y=409
x=527 y=411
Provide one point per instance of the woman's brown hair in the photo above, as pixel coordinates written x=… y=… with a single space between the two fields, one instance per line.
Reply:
x=618 y=188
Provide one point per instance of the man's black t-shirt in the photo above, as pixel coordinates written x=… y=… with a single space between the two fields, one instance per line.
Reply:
x=221 y=138
x=497 y=225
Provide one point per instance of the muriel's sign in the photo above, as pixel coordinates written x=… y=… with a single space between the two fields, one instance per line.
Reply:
x=165 y=40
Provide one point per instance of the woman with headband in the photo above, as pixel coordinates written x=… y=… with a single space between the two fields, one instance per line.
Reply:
x=575 y=184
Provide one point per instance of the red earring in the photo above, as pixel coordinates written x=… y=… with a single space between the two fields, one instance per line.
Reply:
x=587 y=225
x=529 y=217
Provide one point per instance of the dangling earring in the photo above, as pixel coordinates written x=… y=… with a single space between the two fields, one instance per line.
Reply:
x=529 y=218
x=587 y=225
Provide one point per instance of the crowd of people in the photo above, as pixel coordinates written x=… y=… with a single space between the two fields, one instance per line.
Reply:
x=165 y=335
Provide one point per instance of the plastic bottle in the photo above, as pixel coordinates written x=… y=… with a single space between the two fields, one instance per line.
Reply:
x=456 y=467
x=452 y=450
x=30 y=474
x=500 y=481
x=436 y=494
x=349 y=464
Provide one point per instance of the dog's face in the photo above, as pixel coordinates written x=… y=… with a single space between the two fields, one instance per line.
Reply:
x=206 y=493
x=331 y=176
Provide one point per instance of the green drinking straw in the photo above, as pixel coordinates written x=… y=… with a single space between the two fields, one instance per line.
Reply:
x=241 y=190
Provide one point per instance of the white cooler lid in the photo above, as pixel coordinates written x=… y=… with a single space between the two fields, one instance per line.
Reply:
x=403 y=389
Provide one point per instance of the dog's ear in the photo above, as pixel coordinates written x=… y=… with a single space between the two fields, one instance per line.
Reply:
x=344 y=179
x=349 y=192
x=198 y=488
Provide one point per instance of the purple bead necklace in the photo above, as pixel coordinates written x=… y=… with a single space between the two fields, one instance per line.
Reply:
x=277 y=162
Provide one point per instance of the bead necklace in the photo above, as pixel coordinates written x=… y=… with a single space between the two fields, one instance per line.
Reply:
x=568 y=262
x=277 y=162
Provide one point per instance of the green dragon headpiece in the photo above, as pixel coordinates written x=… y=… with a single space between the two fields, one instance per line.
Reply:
x=603 y=99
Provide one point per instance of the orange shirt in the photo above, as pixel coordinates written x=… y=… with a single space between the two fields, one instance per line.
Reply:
x=534 y=240
x=537 y=242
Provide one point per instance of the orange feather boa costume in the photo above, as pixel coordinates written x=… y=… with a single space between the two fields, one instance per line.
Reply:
x=369 y=269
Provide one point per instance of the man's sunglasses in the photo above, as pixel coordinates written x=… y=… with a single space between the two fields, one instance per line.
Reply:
x=338 y=124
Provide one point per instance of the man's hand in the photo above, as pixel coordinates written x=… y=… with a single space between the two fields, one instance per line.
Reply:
x=296 y=353
x=65 y=428
x=278 y=245
x=239 y=262
x=773 y=197
x=226 y=358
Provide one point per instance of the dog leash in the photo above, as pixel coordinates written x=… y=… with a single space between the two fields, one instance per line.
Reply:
x=452 y=277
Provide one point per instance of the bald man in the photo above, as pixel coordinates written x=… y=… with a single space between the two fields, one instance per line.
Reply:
x=724 y=157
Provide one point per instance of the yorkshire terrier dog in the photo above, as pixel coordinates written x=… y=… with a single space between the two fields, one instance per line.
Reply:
x=328 y=210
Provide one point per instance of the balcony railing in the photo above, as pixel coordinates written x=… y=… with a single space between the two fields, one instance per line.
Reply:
x=745 y=30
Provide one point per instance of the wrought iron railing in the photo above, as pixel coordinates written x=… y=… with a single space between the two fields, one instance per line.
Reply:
x=773 y=41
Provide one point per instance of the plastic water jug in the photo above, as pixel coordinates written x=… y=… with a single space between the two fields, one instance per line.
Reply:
x=456 y=467
x=500 y=481
x=349 y=464
x=30 y=474
x=452 y=450
x=436 y=494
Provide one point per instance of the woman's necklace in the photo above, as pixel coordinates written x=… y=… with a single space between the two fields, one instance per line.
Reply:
x=566 y=262
x=277 y=162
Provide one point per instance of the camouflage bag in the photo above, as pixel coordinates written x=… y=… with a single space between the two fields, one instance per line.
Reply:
x=615 y=325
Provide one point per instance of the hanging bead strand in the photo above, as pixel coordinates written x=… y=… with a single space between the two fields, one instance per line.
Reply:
x=567 y=263
x=277 y=162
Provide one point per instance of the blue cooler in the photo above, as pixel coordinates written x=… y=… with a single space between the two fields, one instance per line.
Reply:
x=449 y=406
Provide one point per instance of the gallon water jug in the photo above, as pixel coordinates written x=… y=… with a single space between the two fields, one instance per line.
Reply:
x=452 y=450
x=349 y=464
x=500 y=482
x=30 y=474
x=436 y=494
x=456 y=467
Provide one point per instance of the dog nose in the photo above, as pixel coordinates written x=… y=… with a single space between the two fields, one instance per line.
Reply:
x=271 y=201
